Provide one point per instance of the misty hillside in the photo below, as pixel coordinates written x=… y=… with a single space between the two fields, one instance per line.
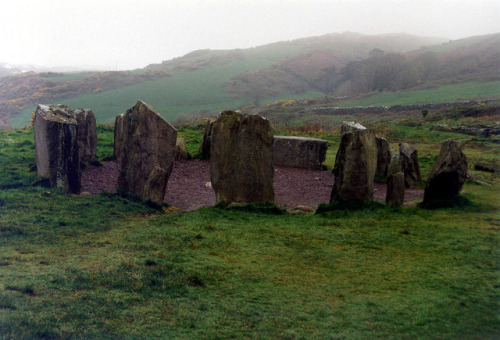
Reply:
x=345 y=64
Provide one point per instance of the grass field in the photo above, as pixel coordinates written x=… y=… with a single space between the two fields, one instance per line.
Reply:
x=441 y=94
x=116 y=267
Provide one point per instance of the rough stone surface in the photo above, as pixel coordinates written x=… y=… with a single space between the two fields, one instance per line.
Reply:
x=299 y=152
x=241 y=159
x=383 y=157
x=448 y=173
x=355 y=167
x=87 y=135
x=145 y=148
x=348 y=127
x=204 y=150
x=409 y=164
x=180 y=149
x=56 y=147
x=395 y=194
x=395 y=189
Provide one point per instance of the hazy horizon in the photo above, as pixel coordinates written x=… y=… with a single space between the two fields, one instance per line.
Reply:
x=126 y=34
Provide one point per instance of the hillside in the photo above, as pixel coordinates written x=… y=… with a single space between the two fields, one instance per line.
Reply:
x=213 y=80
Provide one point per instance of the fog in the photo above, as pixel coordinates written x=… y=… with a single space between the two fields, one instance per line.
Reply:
x=128 y=34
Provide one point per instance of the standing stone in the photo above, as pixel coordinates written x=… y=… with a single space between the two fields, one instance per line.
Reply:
x=145 y=148
x=355 y=166
x=409 y=164
x=383 y=157
x=56 y=147
x=448 y=173
x=87 y=135
x=180 y=149
x=348 y=127
x=204 y=150
x=241 y=159
x=395 y=194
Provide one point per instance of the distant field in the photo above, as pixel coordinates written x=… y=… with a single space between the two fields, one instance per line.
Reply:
x=442 y=94
x=203 y=90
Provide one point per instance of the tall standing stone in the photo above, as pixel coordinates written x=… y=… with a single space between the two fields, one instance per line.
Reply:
x=355 y=166
x=395 y=194
x=448 y=173
x=241 y=158
x=145 y=148
x=87 y=135
x=56 y=147
x=204 y=150
x=383 y=157
x=409 y=164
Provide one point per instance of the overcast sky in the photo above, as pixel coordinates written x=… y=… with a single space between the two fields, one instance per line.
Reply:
x=127 y=34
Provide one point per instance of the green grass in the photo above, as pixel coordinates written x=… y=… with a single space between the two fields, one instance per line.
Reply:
x=226 y=273
x=114 y=267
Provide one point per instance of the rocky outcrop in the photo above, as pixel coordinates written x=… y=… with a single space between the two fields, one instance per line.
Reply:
x=448 y=173
x=241 y=159
x=299 y=152
x=476 y=129
x=383 y=157
x=56 y=147
x=409 y=164
x=396 y=108
x=355 y=166
x=145 y=148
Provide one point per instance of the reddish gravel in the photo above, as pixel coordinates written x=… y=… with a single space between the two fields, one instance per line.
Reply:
x=189 y=185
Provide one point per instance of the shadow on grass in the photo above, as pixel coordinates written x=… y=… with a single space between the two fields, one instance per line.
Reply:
x=349 y=205
x=135 y=199
x=263 y=208
x=456 y=202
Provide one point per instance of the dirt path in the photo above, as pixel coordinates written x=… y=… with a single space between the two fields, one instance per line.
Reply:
x=189 y=185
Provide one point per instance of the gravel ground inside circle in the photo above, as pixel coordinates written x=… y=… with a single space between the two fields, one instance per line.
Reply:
x=189 y=185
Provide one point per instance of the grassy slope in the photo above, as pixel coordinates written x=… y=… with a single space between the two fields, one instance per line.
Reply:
x=184 y=92
x=98 y=267
x=203 y=89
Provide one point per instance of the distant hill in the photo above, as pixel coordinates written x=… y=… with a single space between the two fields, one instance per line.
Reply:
x=213 y=80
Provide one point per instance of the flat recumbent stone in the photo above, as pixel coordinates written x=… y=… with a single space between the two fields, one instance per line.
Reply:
x=299 y=152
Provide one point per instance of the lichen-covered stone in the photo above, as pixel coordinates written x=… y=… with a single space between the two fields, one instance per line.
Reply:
x=355 y=166
x=56 y=147
x=395 y=194
x=145 y=148
x=448 y=173
x=241 y=159
x=409 y=164
x=299 y=152
x=383 y=157
x=87 y=135
x=395 y=189
x=348 y=127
